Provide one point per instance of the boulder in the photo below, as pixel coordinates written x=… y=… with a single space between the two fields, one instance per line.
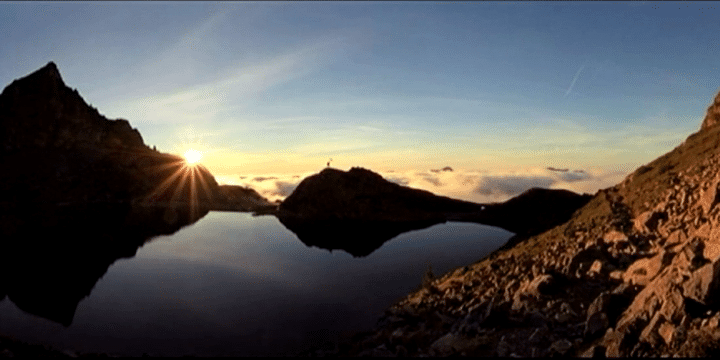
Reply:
x=643 y=271
x=649 y=221
x=452 y=343
x=703 y=284
x=615 y=236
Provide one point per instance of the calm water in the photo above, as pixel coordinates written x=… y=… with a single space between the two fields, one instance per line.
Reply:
x=233 y=284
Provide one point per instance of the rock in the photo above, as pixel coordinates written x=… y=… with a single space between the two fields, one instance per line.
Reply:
x=649 y=333
x=502 y=349
x=562 y=317
x=676 y=237
x=615 y=236
x=585 y=258
x=667 y=332
x=712 y=116
x=452 y=343
x=703 y=284
x=401 y=351
x=596 y=323
x=596 y=268
x=561 y=346
x=642 y=271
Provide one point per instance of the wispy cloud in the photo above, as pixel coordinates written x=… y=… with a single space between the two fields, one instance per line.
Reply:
x=572 y=84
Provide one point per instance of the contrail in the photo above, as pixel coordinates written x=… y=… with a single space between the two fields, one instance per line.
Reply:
x=577 y=74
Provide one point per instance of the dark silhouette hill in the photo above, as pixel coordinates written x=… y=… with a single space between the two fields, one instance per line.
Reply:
x=634 y=272
x=357 y=211
x=56 y=149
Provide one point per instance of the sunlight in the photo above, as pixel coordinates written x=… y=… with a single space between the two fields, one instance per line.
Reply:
x=192 y=156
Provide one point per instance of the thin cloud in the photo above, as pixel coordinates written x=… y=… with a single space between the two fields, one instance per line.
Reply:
x=572 y=84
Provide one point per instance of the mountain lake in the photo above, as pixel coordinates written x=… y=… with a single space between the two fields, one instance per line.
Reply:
x=236 y=285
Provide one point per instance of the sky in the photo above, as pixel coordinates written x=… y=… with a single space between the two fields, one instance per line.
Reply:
x=506 y=94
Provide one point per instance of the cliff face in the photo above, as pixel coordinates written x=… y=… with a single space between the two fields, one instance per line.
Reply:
x=56 y=149
x=635 y=272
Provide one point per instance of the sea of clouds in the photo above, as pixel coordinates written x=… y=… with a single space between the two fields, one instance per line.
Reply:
x=482 y=186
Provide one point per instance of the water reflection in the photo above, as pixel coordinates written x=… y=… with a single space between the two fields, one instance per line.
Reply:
x=358 y=238
x=51 y=257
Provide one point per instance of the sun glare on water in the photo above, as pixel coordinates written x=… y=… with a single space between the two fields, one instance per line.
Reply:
x=193 y=156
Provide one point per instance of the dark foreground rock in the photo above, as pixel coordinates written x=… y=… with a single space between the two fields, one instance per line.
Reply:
x=635 y=272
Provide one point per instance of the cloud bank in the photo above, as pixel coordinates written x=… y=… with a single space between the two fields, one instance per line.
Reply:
x=471 y=185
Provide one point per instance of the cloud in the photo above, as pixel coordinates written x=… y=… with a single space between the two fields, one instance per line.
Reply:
x=272 y=187
x=501 y=185
x=482 y=186
x=572 y=84
x=263 y=178
x=509 y=186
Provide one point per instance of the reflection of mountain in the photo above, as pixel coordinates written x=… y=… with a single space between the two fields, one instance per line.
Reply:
x=357 y=237
x=358 y=210
x=51 y=257
x=55 y=148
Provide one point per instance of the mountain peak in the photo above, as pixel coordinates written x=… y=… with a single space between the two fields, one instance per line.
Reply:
x=40 y=111
x=47 y=76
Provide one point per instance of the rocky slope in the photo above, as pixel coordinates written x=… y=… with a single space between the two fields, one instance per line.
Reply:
x=635 y=272
x=56 y=149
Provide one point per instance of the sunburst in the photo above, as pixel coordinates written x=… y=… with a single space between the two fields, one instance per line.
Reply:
x=186 y=175
x=193 y=156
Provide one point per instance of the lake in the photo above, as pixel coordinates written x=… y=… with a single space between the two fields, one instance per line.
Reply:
x=236 y=285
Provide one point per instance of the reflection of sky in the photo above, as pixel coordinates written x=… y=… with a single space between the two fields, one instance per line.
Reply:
x=237 y=285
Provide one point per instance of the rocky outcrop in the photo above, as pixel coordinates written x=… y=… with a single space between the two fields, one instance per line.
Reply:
x=635 y=272
x=56 y=149
x=712 y=117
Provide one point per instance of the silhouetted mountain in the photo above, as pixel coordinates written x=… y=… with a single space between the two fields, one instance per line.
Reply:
x=357 y=211
x=531 y=212
x=361 y=194
x=54 y=148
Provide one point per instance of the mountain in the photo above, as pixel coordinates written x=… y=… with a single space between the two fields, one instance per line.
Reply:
x=634 y=272
x=357 y=211
x=56 y=149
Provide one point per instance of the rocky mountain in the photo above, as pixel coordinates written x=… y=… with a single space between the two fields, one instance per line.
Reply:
x=635 y=272
x=56 y=149
x=357 y=211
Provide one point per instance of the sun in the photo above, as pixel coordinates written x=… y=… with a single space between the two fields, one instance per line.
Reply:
x=193 y=156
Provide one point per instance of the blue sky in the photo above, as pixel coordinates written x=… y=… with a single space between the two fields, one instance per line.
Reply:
x=497 y=90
